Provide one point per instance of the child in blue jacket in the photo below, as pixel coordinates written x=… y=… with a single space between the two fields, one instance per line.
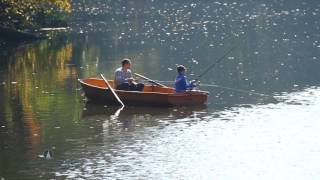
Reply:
x=181 y=82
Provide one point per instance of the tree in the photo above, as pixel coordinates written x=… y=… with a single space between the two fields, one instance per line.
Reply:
x=33 y=13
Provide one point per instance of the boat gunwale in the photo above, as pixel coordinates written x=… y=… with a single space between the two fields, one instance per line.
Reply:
x=130 y=92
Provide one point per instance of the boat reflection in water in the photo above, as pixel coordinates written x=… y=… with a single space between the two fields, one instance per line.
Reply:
x=131 y=118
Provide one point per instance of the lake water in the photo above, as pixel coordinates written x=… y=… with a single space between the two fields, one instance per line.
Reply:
x=260 y=121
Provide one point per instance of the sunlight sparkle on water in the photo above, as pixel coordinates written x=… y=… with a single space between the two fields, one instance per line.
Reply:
x=273 y=141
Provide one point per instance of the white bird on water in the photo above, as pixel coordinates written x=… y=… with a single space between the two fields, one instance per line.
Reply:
x=47 y=154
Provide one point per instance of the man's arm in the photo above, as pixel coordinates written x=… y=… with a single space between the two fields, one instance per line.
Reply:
x=129 y=78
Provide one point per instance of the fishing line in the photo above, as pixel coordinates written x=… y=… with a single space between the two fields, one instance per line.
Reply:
x=228 y=88
x=237 y=90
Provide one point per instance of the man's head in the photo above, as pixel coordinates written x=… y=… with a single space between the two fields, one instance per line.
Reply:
x=126 y=63
x=181 y=69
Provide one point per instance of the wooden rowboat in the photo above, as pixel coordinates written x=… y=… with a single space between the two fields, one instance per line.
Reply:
x=96 y=91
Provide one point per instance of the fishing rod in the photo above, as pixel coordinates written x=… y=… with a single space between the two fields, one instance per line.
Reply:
x=199 y=76
x=216 y=62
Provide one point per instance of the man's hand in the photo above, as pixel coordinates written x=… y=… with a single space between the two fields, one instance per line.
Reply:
x=130 y=80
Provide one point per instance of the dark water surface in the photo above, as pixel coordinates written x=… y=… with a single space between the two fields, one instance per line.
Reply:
x=260 y=121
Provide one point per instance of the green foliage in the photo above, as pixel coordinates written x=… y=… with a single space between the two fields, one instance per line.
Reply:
x=32 y=13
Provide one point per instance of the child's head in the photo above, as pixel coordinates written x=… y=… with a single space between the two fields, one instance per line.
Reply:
x=181 y=69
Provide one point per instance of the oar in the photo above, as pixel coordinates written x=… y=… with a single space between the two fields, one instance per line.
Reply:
x=111 y=89
x=149 y=80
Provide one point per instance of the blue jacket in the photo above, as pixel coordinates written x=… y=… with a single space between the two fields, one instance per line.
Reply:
x=181 y=83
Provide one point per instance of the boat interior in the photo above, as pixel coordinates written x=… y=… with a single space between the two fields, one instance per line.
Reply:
x=147 y=88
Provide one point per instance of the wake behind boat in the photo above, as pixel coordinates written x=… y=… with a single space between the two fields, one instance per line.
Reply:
x=96 y=90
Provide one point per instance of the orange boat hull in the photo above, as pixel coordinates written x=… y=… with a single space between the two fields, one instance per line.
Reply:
x=96 y=91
